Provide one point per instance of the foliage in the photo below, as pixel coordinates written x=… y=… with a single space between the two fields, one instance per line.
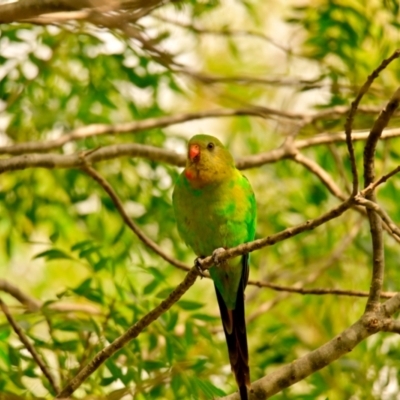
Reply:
x=63 y=241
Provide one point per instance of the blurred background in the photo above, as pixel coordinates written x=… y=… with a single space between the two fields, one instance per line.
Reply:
x=257 y=74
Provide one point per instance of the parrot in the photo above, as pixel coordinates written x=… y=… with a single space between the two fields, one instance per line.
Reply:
x=215 y=209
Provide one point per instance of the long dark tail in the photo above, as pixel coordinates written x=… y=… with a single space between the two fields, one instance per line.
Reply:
x=234 y=324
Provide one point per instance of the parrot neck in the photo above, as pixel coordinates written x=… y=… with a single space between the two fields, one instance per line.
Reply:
x=199 y=178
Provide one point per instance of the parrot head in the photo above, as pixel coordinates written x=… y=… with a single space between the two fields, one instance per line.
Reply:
x=208 y=161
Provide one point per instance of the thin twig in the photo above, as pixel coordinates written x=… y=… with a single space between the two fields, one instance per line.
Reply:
x=31 y=303
x=371 y=205
x=353 y=110
x=320 y=173
x=308 y=279
x=130 y=334
x=327 y=180
x=249 y=80
x=29 y=347
x=382 y=179
x=224 y=32
x=317 y=291
x=128 y=221
x=34 y=305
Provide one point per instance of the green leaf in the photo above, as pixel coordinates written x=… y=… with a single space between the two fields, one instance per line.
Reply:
x=75 y=326
x=81 y=245
x=208 y=388
x=118 y=394
x=53 y=254
x=151 y=286
x=14 y=356
x=204 y=317
x=5 y=332
x=189 y=305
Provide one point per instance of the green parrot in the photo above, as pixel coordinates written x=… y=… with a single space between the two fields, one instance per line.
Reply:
x=215 y=208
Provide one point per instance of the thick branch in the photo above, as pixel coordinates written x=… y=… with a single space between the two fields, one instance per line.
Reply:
x=369 y=324
x=128 y=127
x=374 y=219
x=30 y=9
x=51 y=161
x=154 y=153
x=24 y=9
x=301 y=368
x=162 y=122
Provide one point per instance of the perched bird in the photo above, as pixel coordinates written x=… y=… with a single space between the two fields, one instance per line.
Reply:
x=215 y=208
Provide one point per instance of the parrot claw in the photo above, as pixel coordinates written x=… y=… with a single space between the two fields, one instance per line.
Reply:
x=197 y=264
x=216 y=253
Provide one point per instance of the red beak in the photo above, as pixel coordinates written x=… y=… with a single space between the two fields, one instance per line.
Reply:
x=194 y=152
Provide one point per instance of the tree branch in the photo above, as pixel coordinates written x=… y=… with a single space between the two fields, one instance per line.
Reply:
x=30 y=9
x=369 y=324
x=51 y=160
x=371 y=205
x=257 y=160
x=382 y=179
x=225 y=32
x=130 y=334
x=353 y=110
x=30 y=303
x=316 y=169
x=24 y=9
x=128 y=127
x=374 y=219
x=162 y=122
x=34 y=305
x=304 y=366
x=29 y=347
x=311 y=277
x=249 y=247
x=128 y=221
x=317 y=291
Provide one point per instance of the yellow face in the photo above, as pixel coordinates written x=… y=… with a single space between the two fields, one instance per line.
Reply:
x=208 y=161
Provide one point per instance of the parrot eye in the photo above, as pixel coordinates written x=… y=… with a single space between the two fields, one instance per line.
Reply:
x=210 y=146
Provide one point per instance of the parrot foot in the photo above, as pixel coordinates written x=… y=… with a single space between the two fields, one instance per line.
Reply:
x=199 y=267
x=215 y=255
